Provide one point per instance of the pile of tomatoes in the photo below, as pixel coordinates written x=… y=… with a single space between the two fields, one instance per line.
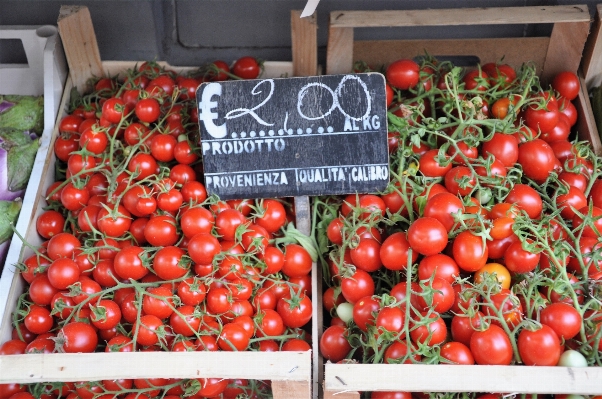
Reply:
x=137 y=257
x=486 y=246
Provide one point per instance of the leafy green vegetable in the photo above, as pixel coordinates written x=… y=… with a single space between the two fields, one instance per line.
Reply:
x=26 y=113
x=9 y=212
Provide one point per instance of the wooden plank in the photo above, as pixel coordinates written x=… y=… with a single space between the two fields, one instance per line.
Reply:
x=592 y=54
x=278 y=366
x=291 y=389
x=566 y=46
x=303 y=224
x=304 y=44
x=79 y=41
x=460 y=16
x=457 y=378
x=586 y=124
x=511 y=50
x=341 y=395
x=339 y=53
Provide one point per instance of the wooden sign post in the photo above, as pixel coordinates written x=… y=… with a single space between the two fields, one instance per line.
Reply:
x=294 y=136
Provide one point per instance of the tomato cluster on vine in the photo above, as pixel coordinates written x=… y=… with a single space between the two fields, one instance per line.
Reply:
x=485 y=246
x=137 y=257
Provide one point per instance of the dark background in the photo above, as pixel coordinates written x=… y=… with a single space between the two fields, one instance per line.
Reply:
x=193 y=32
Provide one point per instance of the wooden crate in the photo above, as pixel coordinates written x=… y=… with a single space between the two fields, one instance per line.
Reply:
x=290 y=372
x=561 y=51
x=44 y=74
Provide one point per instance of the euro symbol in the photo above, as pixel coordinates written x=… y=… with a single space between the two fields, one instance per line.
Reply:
x=205 y=111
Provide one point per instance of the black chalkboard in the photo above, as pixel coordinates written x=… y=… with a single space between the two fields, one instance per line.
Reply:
x=294 y=136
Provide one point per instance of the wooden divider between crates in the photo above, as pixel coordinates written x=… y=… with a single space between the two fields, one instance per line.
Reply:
x=551 y=55
x=290 y=372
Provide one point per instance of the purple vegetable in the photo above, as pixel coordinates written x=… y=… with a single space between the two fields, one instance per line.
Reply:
x=5 y=105
x=3 y=251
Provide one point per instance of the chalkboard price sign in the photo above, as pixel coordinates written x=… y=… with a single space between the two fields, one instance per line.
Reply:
x=294 y=136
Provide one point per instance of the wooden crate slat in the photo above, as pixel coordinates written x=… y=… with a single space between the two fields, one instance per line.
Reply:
x=586 y=124
x=286 y=366
x=304 y=44
x=592 y=55
x=339 y=54
x=459 y=16
x=457 y=378
x=564 y=51
x=383 y=52
x=291 y=389
x=79 y=42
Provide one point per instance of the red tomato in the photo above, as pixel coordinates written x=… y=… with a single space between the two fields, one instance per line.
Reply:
x=38 y=320
x=438 y=266
x=403 y=74
x=431 y=165
x=366 y=255
x=463 y=326
x=297 y=261
x=246 y=68
x=63 y=272
x=469 y=251
x=394 y=252
x=146 y=330
x=443 y=206
x=295 y=311
x=491 y=346
x=427 y=236
x=430 y=331
x=359 y=285
x=114 y=109
x=129 y=264
x=78 y=337
x=163 y=146
x=476 y=80
x=519 y=260
x=542 y=117
x=504 y=147
x=62 y=245
x=161 y=231
x=566 y=84
x=390 y=319
x=227 y=222
x=364 y=312
x=233 y=337
x=527 y=199
x=457 y=353
x=563 y=318
x=106 y=314
x=539 y=347
x=271 y=216
x=437 y=295
x=169 y=263
x=592 y=229
x=537 y=159
x=334 y=345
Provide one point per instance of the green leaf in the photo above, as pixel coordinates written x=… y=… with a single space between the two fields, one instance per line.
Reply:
x=9 y=212
x=20 y=163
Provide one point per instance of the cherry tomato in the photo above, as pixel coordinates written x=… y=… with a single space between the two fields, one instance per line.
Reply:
x=403 y=74
x=246 y=68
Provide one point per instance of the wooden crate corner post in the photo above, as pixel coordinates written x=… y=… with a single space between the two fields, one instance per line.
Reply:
x=79 y=42
x=592 y=54
x=304 y=44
